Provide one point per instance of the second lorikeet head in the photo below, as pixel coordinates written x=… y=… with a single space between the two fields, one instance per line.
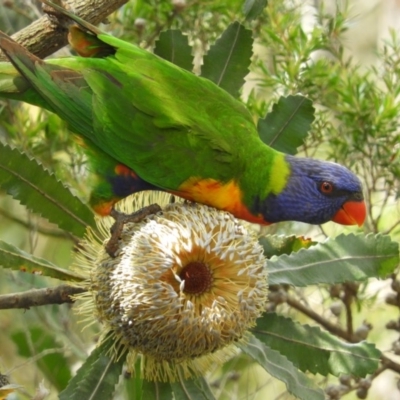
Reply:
x=316 y=192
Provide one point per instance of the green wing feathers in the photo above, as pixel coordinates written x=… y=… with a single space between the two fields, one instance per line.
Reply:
x=158 y=111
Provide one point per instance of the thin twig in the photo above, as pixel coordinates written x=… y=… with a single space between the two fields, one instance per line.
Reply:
x=329 y=326
x=348 y=301
x=57 y=233
x=390 y=364
x=390 y=229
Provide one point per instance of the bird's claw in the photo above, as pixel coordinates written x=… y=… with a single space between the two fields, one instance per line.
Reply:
x=121 y=219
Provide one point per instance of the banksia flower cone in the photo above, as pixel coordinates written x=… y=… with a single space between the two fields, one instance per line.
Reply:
x=184 y=286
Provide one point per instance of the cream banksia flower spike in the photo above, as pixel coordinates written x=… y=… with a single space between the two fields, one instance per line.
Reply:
x=184 y=287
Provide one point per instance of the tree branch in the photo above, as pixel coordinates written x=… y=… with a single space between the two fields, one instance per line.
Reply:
x=46 y=35
x=332 y=328
x=387 y=363
x=39 y=297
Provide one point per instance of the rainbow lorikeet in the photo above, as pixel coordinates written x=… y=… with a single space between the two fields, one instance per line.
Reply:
x=148 y=124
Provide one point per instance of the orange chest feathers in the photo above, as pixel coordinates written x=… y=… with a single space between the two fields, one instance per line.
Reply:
x=223 y=196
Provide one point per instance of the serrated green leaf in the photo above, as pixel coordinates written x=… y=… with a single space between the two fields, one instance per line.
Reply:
x=275 y=245
x=96 y=378
x=157 y=390
x=311 y=349
x=173 y=46
x=192 y=389
x=253 y=8
x=54 y=366
x=27 y=181
x=281 y=368
x=14 y=258
x=228 y=60
x=287 y=125
x=342 y=259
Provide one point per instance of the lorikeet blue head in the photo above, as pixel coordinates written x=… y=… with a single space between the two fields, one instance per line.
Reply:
x=316 y=192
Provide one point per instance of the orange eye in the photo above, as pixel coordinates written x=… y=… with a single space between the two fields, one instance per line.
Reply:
x=326 y=187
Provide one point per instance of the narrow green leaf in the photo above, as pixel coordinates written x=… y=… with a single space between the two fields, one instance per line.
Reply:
x=96 y=378
x=132 y=391
x=192 y=389
x=345 y=258
x=14 y=258
x=311 y=349
x=275 y=245
x=287 y=125
x=253 y=8
x=173 y=46
x=134 y=384
x=281 y=368
x=228 y=60
x=157 y=390
x=54 y=366
x=27 y=181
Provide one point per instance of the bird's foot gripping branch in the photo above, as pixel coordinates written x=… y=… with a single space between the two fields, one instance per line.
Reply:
x=121 y=219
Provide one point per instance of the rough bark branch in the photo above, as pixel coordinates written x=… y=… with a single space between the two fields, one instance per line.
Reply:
x=45 y=35
x=39 y=297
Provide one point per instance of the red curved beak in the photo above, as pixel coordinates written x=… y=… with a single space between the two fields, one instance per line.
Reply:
x=351 y=213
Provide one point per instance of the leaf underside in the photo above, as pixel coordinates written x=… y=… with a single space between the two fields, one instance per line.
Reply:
x=311 y=349
x=281 y=368
x=342 y=259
